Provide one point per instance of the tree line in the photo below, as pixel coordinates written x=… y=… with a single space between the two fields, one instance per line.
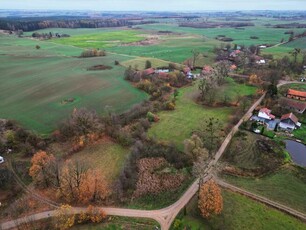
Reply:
x=34 y=24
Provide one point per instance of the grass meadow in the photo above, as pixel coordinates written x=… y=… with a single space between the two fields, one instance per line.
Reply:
x=104 y=155
x=241 y=37
x=178 y=125
x=286 y=186
x=239 y=213
x=101 y=40
x=33 y=86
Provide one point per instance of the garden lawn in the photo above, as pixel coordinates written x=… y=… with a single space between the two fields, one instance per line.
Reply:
x=178 y=125
x=233 y=89
x=106 y=156
x=301 y=133
x=287 y=186
x=241 y=213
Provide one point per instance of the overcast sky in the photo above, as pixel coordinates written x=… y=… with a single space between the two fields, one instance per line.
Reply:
x=155 y=5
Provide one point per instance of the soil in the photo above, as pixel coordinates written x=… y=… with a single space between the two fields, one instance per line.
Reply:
x=99 y=67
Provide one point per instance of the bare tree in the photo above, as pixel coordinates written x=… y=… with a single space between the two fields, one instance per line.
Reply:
x=195 y=55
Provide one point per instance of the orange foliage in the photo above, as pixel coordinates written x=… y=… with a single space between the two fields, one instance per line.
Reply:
x=94 y=187
x=254 y=79
x=210 y=199
x=40 y=162
x=81 y=185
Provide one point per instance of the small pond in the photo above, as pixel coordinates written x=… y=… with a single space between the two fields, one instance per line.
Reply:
x=297 y=152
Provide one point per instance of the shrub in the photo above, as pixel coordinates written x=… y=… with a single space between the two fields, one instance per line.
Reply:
x=152 y=117
x=169 y=106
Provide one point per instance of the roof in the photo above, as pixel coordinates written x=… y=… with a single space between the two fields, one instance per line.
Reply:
x=163 y=75
x=290 y=116
x=149 y=71
x=293 y=104
x=233 y=67
x=296 y=93
x=186 y=69
x=207 y=69
x=267 y=112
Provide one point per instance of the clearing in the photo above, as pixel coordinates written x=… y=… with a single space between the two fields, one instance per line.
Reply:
x=240 y=212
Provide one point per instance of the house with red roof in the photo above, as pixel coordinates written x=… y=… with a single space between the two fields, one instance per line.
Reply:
x=266 y=117
x=148 y=72
x=296 y=94
x=289 y=122
x=265 y=113
x=207 y=69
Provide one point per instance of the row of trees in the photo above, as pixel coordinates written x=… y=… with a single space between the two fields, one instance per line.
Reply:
x=37 y=24
x=93 y=53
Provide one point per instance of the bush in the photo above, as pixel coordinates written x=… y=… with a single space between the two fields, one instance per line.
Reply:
x=152 y=117
x=169 y=106
x=93 y=53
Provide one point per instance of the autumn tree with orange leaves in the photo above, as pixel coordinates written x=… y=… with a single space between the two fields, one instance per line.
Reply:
x=82 y=185
x=40 y=168
x=210 y=199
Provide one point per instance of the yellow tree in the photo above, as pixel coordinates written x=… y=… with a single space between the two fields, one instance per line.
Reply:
x=92 y=214
x=210 y=199
x=64 y=217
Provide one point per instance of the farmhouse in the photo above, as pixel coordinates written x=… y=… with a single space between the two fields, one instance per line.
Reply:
x=259 y=60
x=297 y=106
x=265 y=113
x=233 y=68
x=289 y=122
x=207 y=69
x=265 y=116
x=295 y=94
x=148 y=72
x=235 y=53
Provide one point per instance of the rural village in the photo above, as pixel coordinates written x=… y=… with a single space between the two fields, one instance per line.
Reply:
x=153 y=120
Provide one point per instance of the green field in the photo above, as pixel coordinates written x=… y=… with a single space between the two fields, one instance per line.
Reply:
x=101 y=40
x=287 y=186
x=171 y=49
x=33 y=85
x=241 y=37
x=141 y=62
x=298 y=43
x=106 y=156
x=72 y=31
x=13 y=46
x=178 y=125
x=240 y=213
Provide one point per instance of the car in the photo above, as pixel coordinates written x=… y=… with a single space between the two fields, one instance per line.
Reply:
x=1 y=160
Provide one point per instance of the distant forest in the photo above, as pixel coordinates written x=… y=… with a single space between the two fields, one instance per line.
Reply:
x=32 y=24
